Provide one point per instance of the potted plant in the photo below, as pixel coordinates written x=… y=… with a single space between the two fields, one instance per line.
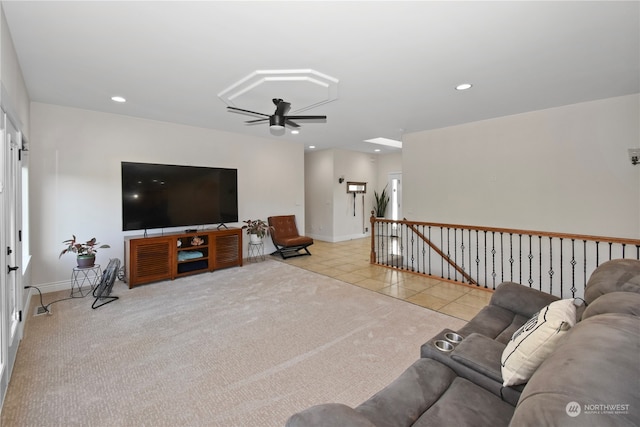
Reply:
x=86 y=252
x=256 y=229
x=382 y=200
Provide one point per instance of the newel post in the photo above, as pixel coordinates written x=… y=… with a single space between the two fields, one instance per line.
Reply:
x=372 y=257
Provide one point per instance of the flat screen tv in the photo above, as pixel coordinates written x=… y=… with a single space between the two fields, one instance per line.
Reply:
x=161 y=196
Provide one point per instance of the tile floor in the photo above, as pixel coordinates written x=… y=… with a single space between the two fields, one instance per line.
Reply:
x=349 y=261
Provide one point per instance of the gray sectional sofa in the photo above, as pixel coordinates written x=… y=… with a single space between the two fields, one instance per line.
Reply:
x=590 y=377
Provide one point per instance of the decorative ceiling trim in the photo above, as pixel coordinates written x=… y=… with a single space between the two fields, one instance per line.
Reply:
x=323 y=88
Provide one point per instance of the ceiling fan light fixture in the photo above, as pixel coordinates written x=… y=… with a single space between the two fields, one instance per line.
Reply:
x=276 y=122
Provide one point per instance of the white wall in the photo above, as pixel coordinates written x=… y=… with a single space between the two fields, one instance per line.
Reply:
x=349 y=222
x=319 y=170
x=388 y=163
x=563 y=169
x=329 y=209
x=75 y=176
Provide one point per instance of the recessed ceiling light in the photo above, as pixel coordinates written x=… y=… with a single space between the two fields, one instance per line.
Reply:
x=464 y=86
x=295 y=132
x=385 y=141
x=312 y=146
x=118 y=99
x=377 y=150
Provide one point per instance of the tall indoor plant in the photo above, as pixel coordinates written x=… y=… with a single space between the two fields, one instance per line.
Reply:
x=381 y=202
x=86 y=252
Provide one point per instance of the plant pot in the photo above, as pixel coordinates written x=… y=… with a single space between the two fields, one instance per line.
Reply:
x=86 y=261
x=254 y=238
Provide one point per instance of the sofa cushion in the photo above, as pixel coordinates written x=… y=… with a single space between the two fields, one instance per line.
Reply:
x=613 y=276
x=520 y=299
x=614 y=302
x=328 y=415
x=535 y=340
x=595 y=364
x=467 y=405
x=403 y=401
x=510 y=307
x=516 y=323
x=491 y=322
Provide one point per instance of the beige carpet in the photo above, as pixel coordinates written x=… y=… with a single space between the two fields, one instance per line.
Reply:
x=238 y=347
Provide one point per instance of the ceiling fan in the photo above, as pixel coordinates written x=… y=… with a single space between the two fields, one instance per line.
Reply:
x=279 y=118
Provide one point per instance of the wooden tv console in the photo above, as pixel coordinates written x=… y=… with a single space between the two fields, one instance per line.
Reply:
x=168 y=256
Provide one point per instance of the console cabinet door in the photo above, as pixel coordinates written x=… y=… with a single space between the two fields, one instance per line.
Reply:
x=150 y=260
x=228 y=249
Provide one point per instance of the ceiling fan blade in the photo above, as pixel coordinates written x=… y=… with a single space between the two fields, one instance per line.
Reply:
x=257 y=120
x=247 y=111
x=306 y=117
x=282 y=108
x=292 y=124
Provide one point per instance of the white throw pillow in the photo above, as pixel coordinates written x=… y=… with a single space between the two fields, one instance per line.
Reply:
x=535 y=340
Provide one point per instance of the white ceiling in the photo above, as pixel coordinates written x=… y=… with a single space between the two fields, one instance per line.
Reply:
x=396 y=63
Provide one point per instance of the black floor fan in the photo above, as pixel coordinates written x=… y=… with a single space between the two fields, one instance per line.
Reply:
x=102 y=292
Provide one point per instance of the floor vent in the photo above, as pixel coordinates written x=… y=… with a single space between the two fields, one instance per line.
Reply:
x=40 y=310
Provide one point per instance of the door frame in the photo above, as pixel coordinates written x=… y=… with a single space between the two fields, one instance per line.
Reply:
x=11 y=303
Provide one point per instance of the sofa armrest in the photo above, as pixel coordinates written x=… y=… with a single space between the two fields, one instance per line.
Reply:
x=481 y=354
x=328 y=415
x=521 y=299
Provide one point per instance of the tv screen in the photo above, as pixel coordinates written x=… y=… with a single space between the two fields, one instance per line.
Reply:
x=159 y=196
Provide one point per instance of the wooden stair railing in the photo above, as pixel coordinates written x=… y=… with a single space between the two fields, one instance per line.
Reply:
x=486 y=256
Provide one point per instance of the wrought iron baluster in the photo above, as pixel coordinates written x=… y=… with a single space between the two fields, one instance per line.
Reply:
x=424 y=252
x=455 y=254
x=610 y=250
x=511 y=260
x=530 y=262
x=485 y=259
x=584 y=278
x=471 y=250
x=540 y=262
x=520 y=258
x=448 y=254
x=493 y=259
x=462 y=252
x=478 y=258
x=401 y=258
x=412 y=254
x=441 y=259
x=501 y=258
x=573 y=269
x=550 y=264
x=430 y=250
x=561 y=270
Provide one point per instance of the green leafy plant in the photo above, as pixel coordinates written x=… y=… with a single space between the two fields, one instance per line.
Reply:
x=382 y=200
x=88 y=248
x=257 y=226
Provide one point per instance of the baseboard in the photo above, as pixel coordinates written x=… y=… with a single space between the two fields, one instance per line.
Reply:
x=334 y=239
x=47 y=288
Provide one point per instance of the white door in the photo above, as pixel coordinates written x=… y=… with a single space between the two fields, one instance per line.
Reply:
x=395 y=184
x=12 y=274
x=4 y=376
